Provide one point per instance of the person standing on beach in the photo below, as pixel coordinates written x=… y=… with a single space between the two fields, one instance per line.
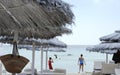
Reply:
x=81 y=63
x=116 y=57
x=55 y=56
x=50 y=61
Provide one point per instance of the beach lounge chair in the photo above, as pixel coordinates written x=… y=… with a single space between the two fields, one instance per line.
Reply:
x=108 y=68
x=117 y=71
x=111 y=62
x=28 y=72
x=97 y=67
x=56 y=71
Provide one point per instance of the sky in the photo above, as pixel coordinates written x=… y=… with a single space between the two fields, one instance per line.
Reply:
x=93 y=19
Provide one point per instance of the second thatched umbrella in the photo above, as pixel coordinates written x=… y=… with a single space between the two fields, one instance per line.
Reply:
x=44 y=44
x=27 y=43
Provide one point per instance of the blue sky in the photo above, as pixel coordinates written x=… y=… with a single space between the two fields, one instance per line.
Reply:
x=93 y=19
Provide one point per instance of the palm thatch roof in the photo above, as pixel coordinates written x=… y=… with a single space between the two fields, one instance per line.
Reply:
x=105 y=48
x=113 y=37
x=109 y=43
x=47 y=34
x=54 y=42
x=34 y=18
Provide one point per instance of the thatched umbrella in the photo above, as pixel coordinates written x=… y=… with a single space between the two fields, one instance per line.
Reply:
x=27 y=43
x=109 y=44
x=105 y=47
x=44 y=44
x=33 y=18
x=108 y=48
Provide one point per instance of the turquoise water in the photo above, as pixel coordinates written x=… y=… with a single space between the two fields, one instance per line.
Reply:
x=64 y=60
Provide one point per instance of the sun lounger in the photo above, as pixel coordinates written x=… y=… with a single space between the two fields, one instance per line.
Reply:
x=117 y=71
x=28 y=72
x=108 y=68
x=58 y=70
x=51 y=73
x=97 y=67
x=111 y=62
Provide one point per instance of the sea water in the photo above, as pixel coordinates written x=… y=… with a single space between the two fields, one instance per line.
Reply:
x=66 y=60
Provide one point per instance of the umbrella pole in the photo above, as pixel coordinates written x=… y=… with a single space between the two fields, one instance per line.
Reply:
x=106 y=58
x=46 y=57
x=41 y=59
x=33 y=59
x=15 y=49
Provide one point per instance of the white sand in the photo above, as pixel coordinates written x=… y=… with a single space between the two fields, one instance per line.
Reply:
x=86 y=73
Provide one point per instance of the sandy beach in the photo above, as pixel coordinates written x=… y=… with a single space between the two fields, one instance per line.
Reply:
x=74 y=74
x=86 y=73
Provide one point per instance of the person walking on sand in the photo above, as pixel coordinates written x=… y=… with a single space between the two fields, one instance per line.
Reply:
x=50 y=61
x=81 y=63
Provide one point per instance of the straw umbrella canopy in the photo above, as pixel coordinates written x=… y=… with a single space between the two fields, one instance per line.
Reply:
x=31 y=17
x=108 y=48
x=34 y=18
x=54 y=42
x=39 y=34
x=114 y=37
